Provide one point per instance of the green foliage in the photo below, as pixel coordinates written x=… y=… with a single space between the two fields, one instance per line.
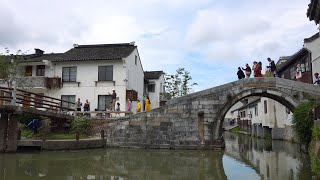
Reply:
x=80 y=124
x=315 y=161
x=26 y=118
x=303 y=118
x=316 y=133
x=10 y=70
x=267 y=74
x=178 y=85
x=236 y=129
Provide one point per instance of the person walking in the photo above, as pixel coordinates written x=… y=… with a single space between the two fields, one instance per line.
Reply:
x=138 y=106
x=148 y=104
x=240 y=73
x=247 y=70
x=129 y=104
x=272 y=67
x=114 y=98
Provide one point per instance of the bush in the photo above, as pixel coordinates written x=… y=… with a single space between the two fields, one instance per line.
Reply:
x=303 y=118
x=80 y=124
x=26 y=118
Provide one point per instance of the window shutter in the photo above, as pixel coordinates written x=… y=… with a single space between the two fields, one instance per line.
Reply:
x=101 y=73
x=109 y=73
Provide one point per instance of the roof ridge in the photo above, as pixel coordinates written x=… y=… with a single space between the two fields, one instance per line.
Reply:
x=103 y=45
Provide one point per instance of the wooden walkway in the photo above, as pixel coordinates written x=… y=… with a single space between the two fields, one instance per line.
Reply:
x=14 y=102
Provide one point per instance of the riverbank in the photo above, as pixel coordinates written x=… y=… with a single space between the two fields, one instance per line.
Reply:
x=69 y=144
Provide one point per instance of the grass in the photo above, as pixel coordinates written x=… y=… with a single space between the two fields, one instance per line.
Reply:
x=26 y=133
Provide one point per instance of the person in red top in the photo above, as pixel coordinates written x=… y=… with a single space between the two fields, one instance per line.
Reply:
x=257 y=70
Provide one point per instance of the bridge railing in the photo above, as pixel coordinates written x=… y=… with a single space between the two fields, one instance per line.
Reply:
x=9 y=96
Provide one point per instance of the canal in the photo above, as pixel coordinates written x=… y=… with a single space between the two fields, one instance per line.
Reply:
x=244 y=158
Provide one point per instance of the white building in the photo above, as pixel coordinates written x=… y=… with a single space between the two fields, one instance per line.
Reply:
x=313 y=45
x=89 y=72
x=154 y=87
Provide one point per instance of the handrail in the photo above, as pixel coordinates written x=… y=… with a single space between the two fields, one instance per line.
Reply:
x=40 y=101
x=19 y=90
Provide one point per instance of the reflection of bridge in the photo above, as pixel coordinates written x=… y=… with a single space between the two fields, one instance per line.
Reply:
x=195 y=120
x=270 y=159
x=17 y=102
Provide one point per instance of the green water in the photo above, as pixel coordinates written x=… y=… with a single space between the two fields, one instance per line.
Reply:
x=244 y=158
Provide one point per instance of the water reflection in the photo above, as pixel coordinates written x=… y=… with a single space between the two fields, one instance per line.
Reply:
x=245 y=158
x=107 y=164
x=270 y=159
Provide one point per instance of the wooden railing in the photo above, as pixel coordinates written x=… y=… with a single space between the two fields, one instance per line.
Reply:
x=9 y=96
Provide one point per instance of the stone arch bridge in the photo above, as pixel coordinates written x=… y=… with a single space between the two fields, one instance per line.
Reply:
x=195 y=121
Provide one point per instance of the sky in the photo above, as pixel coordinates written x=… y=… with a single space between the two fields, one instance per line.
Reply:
x=209 y=38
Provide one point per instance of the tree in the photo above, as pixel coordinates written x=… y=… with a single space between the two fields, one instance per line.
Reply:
x=179 y=84
x=11 y=72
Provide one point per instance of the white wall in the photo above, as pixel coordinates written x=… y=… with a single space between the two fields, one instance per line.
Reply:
x=276 y=115
x=155 y=96
x=314 y=48
x=87 y=75
x=135 y=77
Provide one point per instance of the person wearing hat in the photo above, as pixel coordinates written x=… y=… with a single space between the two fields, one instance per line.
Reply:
x=114 y=98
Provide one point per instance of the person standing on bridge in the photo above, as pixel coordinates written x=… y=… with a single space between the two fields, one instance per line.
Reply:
x=78 y=105
x=138 y=106
x=247 y=70
x=240 y=73
x=272 y=67
x=86 y=107
x=317 y=79
x=148 y=104
x=129 y=104
x=253 y=68
x=114 y=98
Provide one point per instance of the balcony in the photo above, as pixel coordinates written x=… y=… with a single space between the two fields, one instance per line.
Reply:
x=39 y=82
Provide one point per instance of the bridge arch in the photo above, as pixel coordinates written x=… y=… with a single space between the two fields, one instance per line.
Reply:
x=273 y=93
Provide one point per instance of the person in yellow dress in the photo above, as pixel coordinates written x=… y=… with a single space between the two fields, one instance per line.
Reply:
x=148 y=104
x=138 y=106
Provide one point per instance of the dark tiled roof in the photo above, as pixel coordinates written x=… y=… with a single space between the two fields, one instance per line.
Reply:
x=153 y=74
x=314 y=11
x=291 y=60
x=249 y=105
x=35 y=57
x=312 y=38
x=88 y=52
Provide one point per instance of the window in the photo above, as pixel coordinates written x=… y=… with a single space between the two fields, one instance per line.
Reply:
x=105 y=73
x=104 y=102
x=265 y=106
x=256 y=111
x=242 y=114
x=28 y=71
x=40 y=70
x=68 y=98
x=151 y=87
x=135 y=60
x=69 y=74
